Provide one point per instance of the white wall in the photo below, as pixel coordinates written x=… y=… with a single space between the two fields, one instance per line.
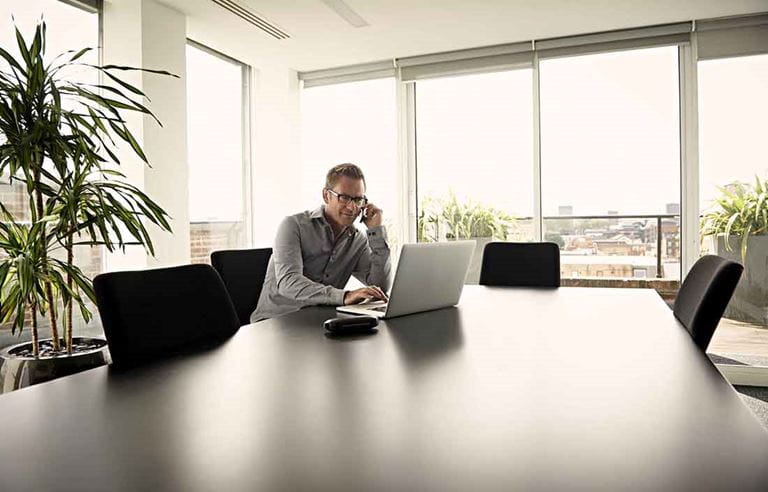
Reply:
x=167 y=182
x=122 y=42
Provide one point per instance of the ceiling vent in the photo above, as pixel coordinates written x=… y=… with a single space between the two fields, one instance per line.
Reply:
x=252 y=18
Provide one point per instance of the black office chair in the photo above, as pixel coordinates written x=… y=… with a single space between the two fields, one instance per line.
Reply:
x=521 y=264
x=704 y=295
x=243 y=272
x=150 y=314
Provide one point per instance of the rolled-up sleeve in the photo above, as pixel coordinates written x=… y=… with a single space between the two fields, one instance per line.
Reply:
x=374 y=267
x=289 y=268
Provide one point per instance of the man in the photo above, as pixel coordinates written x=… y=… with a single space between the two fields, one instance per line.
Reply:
x=316 y=252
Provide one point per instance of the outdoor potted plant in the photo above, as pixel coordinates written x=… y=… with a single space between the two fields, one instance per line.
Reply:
x=739 y=223
x=58 y=138
x=450 y=219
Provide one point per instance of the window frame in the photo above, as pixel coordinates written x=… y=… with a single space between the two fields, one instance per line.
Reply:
x=246 y=124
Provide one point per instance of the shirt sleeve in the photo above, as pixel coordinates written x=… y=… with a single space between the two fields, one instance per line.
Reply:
x=289 y=270
x=374 y=267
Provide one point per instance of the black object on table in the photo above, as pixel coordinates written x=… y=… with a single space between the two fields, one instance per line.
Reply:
x=351 y=325
x=515 y=389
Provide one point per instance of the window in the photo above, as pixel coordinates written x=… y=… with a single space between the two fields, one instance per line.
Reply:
x=217 y=152
x=474 y=159
x=733 y=103
x=352 y=122
x=610 y=145
x=68 y=28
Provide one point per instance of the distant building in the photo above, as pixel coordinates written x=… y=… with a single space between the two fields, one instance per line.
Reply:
x=565 y=210
x=673 y=209
x=580 y=266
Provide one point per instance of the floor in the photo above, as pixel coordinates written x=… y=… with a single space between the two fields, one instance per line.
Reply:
x=757 y=401
x=740 y=343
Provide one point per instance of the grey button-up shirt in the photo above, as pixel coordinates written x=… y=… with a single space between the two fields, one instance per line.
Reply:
x=308 y=268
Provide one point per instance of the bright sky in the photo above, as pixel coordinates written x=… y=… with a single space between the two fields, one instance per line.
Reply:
x=355 y=123
x=214 y=137
x=733 y=122
x=609 y=132
x=68 y=27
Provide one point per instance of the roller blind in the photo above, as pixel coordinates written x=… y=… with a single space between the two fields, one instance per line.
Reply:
x=350 y=73
x=487 y=59
x=738 y=36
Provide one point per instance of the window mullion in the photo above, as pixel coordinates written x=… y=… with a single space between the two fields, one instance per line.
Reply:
x=538 y=225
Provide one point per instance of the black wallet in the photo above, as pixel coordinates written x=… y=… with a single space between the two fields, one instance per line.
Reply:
x=353 y=325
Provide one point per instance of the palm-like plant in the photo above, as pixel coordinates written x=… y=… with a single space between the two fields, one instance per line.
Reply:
x=740 y=210
x=462 y=220
x=59 y=137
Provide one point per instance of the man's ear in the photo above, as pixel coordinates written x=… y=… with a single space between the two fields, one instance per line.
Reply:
x=325 y=196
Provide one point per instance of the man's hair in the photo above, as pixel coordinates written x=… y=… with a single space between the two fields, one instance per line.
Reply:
x=347 y=169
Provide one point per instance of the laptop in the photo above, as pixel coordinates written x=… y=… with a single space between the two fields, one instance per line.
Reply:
x=429 y=276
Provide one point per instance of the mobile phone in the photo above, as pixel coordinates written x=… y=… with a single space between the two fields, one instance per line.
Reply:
x=364 y=214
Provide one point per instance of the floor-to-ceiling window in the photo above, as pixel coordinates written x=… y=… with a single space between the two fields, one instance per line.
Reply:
x=733 y=104
x=217 y=152
x=69 y=26
x=352 y=122
x=610 y=162
x=474 y=159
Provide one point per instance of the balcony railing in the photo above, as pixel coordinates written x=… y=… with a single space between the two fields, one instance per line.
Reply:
x=641 y=233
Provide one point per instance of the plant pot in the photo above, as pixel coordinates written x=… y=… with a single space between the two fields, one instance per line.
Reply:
x=19 y=371
x=750 y=300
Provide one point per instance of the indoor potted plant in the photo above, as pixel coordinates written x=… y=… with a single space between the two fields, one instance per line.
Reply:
x=738 y=221
x=450 y=219
x=58 y=138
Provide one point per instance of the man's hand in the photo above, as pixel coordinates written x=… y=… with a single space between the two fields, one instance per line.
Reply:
x=372 y=215
x=366 y=293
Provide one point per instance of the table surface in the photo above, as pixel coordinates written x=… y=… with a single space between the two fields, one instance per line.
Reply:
x=587 y=389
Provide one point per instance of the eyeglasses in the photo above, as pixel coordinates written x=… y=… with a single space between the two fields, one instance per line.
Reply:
x=359 y=201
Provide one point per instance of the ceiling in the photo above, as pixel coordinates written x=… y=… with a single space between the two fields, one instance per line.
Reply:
x=320 y=38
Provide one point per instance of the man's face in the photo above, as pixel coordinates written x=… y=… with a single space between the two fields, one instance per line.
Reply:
x=343 y=213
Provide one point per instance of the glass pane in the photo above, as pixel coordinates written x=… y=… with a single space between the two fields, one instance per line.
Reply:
x=354 y=122
x=610 y=146
x=733 y=102
x=215 y=152
x=67 y=28
x=474 y=150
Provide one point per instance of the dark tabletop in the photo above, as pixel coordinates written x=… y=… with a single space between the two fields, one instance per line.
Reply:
x=568 y=389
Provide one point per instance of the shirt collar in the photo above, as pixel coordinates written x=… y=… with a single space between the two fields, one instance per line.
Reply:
x=319 y=213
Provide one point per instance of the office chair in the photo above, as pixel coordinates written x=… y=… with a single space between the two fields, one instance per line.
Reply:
x=521 y=264
x=243 y=272
x=150 y=314
x=705 y=293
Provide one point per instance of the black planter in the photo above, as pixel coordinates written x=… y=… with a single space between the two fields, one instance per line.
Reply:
x=19 y=371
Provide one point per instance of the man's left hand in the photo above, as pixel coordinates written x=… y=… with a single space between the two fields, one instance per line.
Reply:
x=372 y=216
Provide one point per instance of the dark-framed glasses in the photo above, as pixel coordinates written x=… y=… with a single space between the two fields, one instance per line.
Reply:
x=359 y=201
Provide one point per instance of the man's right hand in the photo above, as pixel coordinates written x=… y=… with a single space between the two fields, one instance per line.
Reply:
x=366 y=293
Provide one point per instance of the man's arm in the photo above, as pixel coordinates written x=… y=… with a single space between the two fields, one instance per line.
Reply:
x=289 y=270
x=374 y=267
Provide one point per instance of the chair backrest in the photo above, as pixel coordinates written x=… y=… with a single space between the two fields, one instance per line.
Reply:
x=243 y=272
x=704 y=295
x=521 y=264
x=149 y=314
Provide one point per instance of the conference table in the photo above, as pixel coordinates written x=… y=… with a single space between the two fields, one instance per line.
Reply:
x=513 y=389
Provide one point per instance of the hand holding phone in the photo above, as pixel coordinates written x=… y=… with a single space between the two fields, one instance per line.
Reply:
x=371 y=215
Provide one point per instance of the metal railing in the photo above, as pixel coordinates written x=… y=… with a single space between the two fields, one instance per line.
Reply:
x=657 y=217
